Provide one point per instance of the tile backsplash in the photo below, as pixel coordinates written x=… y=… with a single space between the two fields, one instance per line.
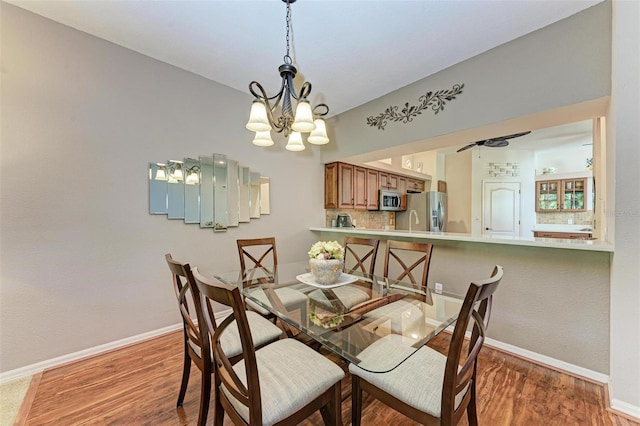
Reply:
x=364 y=218
x=562 y=218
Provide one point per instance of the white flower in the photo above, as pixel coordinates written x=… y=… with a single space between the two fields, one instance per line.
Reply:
x=326 y=250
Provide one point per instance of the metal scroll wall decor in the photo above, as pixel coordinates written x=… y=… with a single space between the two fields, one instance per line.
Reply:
x=430 y=100
x=212 y=191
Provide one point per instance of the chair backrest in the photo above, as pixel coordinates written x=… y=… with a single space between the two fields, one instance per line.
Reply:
x=460 y=370
x=420 y=256
x=258 y=253
x=248 y=395
x=358 y=253
x=188 y=296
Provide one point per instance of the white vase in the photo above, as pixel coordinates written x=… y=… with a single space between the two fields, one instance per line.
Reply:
x=326 y=271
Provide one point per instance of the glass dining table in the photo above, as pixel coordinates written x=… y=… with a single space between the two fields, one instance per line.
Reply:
x=351 y=315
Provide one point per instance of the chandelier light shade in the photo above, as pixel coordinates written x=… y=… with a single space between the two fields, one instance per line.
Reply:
x=318 y=135
x=295 y=142
x=263 y=138
x=276 y=112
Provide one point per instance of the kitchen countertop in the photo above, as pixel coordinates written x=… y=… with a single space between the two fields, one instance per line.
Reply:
x=560 y=243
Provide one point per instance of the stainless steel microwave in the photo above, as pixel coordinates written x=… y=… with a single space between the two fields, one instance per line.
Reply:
x=390 y=200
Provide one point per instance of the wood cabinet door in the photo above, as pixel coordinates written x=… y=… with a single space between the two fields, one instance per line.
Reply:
x=383 y=180
x=359 y=188
x=372 y=189
x=345 y=186
x=547 y=195
x=393 y=182
x=573 y=195
x=331 y=186
x=402 y=184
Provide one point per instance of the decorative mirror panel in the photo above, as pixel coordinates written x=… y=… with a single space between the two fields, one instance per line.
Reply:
x=191 y=170
x=175 y=190
x=220 y=193
x=157 y=188
x=233 y=217
x=206 y=192
x=213 y=191
x=254 y=179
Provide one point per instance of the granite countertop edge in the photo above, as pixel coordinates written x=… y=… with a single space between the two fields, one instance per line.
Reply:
x=560 y=243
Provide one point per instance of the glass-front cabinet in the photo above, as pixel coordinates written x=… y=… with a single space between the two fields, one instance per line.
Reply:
x=573 y=191
x=547 y=195
x=561 y=195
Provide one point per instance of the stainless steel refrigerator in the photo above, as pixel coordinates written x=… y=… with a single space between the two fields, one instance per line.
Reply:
x=430 y=210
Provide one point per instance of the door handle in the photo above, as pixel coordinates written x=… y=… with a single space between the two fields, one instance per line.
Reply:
x=487 y=229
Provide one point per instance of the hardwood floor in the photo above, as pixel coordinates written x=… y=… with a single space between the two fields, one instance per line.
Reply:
x=138 y=385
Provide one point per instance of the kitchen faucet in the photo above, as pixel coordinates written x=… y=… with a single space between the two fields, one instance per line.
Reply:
x=413 y=212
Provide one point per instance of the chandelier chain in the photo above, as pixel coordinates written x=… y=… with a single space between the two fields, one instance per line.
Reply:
x=287 y=58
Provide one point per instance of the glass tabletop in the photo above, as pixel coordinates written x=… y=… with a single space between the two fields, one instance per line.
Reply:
x=352 y=314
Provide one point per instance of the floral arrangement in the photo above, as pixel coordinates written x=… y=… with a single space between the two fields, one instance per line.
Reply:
x=323 y=250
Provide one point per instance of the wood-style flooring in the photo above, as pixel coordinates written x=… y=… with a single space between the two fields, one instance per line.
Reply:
x=138 y=385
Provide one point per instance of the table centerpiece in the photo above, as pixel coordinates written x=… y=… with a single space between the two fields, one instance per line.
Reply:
x=326 y=261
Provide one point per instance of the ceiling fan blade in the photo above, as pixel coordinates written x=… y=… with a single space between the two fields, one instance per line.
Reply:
x=515 y=135
x=471 y=145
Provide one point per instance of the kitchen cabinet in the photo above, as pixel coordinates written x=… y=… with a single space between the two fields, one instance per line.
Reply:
x=402 y=184
x=372 y=189
x=573 y=195
x=547 y=195
x=567 y=235
x=415 y=185
x=566 y=195
x=388 y=181
x=347 y=186
x=360 y=188
x=331 y=186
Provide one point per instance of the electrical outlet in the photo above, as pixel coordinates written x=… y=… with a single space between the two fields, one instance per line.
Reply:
x=438 y=287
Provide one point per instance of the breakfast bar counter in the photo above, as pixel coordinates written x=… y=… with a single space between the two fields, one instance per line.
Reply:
x=553 y=303
x=433 y=237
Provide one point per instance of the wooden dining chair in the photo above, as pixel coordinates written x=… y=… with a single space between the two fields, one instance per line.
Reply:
x=429 y=387
x=360 y=255
x=404 y=259
x=258 y=263
x=281 y=383
x=197 y=346
x=408 y=262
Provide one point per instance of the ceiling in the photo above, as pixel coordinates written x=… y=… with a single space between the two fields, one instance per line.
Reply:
x=352 y=51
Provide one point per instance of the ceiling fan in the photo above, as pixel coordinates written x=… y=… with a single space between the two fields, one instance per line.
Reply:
x=498 y=142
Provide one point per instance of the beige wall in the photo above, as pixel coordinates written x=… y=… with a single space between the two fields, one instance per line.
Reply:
x=82 y=261
x=623 y=154
x=563 y=64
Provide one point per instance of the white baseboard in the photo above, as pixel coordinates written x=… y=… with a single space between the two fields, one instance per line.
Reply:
x=625 y=408
x=548 y=361
x=32 y=369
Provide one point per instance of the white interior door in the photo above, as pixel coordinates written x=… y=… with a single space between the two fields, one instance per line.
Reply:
x=501 y=208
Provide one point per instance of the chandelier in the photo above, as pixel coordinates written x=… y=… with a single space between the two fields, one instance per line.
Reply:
x=264 y=109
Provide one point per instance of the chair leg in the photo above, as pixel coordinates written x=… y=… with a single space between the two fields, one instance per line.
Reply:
x=356 y=401
x=472 y=414
x=205 y=396
x=218 y=415
x=332 y=412
x=186 y=370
